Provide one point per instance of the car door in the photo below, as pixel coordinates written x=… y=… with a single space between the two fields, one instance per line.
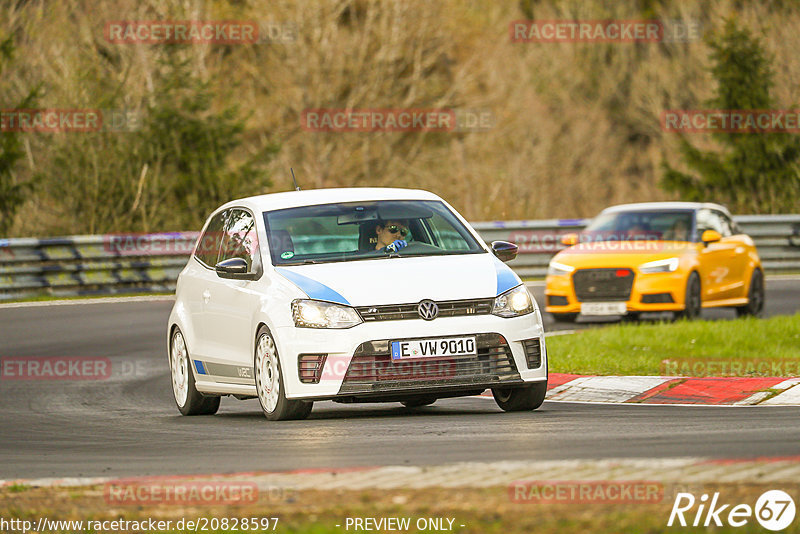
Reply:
x=737 y=283
x=196 y=282
x=715 y=259
x=233 y=302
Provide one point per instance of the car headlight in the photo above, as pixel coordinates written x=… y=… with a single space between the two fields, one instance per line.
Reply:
x=659 y=266
x=513 y=303
x=320 y=314
x=558 y=269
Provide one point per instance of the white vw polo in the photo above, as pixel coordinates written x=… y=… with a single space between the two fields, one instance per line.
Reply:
x=351 y=295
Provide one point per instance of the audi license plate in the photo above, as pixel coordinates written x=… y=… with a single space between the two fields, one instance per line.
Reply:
x=425 y=348
x=603 y=308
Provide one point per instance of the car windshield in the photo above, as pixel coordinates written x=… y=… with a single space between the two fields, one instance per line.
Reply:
x=355 y=231
x=640 y=225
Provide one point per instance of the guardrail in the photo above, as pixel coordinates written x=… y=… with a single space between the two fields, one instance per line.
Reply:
x=87 y=265
x=149 y=263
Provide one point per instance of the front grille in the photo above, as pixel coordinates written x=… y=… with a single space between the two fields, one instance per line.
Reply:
x=602 y=284
x=533 y=353
x=447 y=308
x=373 y=370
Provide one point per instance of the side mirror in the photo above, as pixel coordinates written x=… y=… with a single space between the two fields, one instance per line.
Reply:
x=504 y=250
x=235 y=268
x=710 y=236
x=569 y=239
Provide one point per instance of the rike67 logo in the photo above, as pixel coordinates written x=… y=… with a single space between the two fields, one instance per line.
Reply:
x=774 y=510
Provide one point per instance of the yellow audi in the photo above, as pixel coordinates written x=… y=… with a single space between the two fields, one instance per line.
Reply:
x=655 y=257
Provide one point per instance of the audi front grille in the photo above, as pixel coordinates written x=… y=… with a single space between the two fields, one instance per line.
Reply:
x=593 y=285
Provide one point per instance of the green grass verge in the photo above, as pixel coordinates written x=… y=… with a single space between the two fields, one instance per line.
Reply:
x=657 y=348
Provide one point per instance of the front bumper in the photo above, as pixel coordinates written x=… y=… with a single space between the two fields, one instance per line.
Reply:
x=357 y=361
x=645 y=286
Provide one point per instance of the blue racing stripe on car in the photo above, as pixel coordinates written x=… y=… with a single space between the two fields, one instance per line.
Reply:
x=506 y=278
x=201 y=369
x=312 y=288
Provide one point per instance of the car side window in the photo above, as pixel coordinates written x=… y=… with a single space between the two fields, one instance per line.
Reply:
x=444 y=234
x=721 y=224
x=240 y=239
x=727 y=224
x=208 y=246
x=709 y=220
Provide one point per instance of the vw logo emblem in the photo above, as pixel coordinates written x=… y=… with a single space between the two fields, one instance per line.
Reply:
x=428 y=310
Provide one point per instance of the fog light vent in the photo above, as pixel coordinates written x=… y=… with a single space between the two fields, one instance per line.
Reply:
x=309 y=367
x=533 y=353
x=556 y=300
x=657 y=298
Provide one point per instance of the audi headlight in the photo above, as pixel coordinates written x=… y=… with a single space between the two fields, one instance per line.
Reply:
x=319 y=314
x=513 y=303
x=659 y=266
x=558 y=269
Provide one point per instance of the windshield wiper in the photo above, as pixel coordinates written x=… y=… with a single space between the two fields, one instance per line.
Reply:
x=442 y=253
x=365 y=258
x=304 y=262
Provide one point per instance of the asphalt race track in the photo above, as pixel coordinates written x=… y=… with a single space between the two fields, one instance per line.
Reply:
x=127 y=424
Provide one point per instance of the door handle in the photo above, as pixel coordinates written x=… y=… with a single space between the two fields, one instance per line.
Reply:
x=206 y=296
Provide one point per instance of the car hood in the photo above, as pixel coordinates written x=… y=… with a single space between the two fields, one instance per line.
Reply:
x=403 y=280
x=621 y=253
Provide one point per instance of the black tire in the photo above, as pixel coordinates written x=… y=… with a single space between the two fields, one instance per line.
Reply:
x=693 y=300
x=522 y=399
x=417 y=403
x=755 y=296
x=565 y=317
x=182 y=376
x=276 y=407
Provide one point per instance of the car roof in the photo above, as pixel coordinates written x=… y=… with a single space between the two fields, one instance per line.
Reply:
x=311 y=197
x=663 y=206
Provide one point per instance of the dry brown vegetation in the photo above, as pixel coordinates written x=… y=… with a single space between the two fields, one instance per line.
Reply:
x=576 y=125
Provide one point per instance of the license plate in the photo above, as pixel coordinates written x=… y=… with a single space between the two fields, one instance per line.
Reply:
x=603 y=308
x=431 y=348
